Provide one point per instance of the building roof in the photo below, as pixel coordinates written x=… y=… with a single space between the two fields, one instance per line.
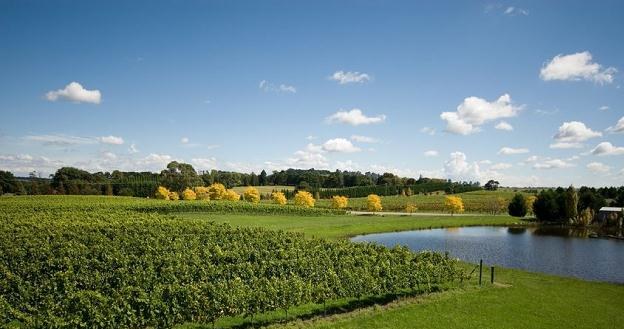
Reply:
x=616 y=209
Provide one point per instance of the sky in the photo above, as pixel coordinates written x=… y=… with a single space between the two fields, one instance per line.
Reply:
x=525 y=92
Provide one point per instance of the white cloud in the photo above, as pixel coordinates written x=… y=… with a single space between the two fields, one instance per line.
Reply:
x=572 y=134
x=184 y=140
x=564 y=145
x=618 y=128
x=281 y=88
x=310 y=137
x=364 y=139
x=204 y=163
x=428 y=131
x=348 y=165
x=553 y=164
x=457 y=168
x=133 y=149
x=109 y=155
x=310 y=157
x=513 y=11
x=598 y=167
x=474 y=112
x=155 y=160
x=59 y=140
x=511 y=151
x=431 y=153
x=349 y=77
x=574 y=67
x=340 y=145
x=603 y=108
x=501 y=166
x=74 y=92
x=606 y=148
x=113 y=140
x=354 y=117
x=23 y=164
x=504 y=126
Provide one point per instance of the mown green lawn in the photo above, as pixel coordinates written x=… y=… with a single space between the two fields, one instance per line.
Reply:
x=518 y=300
x=335 y=227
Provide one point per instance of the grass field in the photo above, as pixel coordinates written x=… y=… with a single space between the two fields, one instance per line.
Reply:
x=519 y=299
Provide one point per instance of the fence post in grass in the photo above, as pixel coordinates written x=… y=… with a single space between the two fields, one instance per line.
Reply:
x=480 y=270
x=492 y=275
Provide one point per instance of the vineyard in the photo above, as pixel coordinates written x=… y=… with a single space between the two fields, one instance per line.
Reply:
x=474 y=202
x=97 y=262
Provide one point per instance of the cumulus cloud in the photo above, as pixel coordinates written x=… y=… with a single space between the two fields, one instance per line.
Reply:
x=474 y=112
x=574 y=67
x=343 y=77
x=431 y=153
x=553 y=164
x=598 y=167
x=618 y=128
x=204 y=163
x=354 y=117
x=515 y=11
x=113 y=140
x=511 y=151
x=457 y=168
x=428 y=131
x=59 y=140
x=504 y=126
x=155 y=159
x=75 y=92
x=606 y=148
x=501 y=166
x=23 y=164
x=572 y=134
x=340 y=145
x=364 y=139
x=310 y=157
x=281 y=88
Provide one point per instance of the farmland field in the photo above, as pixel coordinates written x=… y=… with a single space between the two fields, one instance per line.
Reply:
x=264 y=189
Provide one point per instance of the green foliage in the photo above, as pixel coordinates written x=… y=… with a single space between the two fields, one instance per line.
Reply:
x=88 y=262
x=518 y=206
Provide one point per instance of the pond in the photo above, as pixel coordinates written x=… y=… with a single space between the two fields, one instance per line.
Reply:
x=553 y=250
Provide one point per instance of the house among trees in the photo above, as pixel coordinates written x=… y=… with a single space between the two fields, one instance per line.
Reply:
x=609 y=214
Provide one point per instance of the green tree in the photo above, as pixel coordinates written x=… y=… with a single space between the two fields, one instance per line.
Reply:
x=571 y=204
x=179 y=176
x=518 y=206
x=262 y=179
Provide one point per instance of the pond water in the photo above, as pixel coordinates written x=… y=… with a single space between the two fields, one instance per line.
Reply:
x=553 y=250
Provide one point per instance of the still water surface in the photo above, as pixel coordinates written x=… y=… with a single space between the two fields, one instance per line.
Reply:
x=559 y=251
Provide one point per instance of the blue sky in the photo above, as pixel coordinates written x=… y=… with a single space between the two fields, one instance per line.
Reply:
x=357 y=85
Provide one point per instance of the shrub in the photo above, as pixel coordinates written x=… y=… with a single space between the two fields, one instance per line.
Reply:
x=216 y=191
x=304 y=199
x=278 y=198
x=162 y=193
x=126 y=191
x=454 y=204
x=202 y=193
x=339 y=202
x=373 y=202
x=518 y=206
x=231 y=195
x=410 y=208
x=188 y=195
x=174 y=196
x=251 y=194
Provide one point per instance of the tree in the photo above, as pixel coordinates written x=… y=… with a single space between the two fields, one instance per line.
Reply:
x=518 y=206
x=546 y=207
x=177 y=176
x=216 y=191
x=188 y=195
x=529 y=201
x=496 y=205
x=454 y=204
x=339 y=202
x=254 y=181
x=162 y=193
x=262 y=179
x=491 y=185
x=202 y=192
x=571 y=204
x=410 y=208
x=174 y=196
x=373 y=203
x=278 y=198
x=251 y=194
x=231 y=195
x=304 y=199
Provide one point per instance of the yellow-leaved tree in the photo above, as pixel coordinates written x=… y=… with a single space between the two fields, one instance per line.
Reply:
x=304 y=199
x=410 y=208
x=162 y=193
x=278 y=198
x=373 y=202
x=174 y=196
x=251 y=194
x=231 y=195
x=188 y=194
x=529 y=201
x=454 y=204
x=216 y=191
x=339 y=202
x=202 y=193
